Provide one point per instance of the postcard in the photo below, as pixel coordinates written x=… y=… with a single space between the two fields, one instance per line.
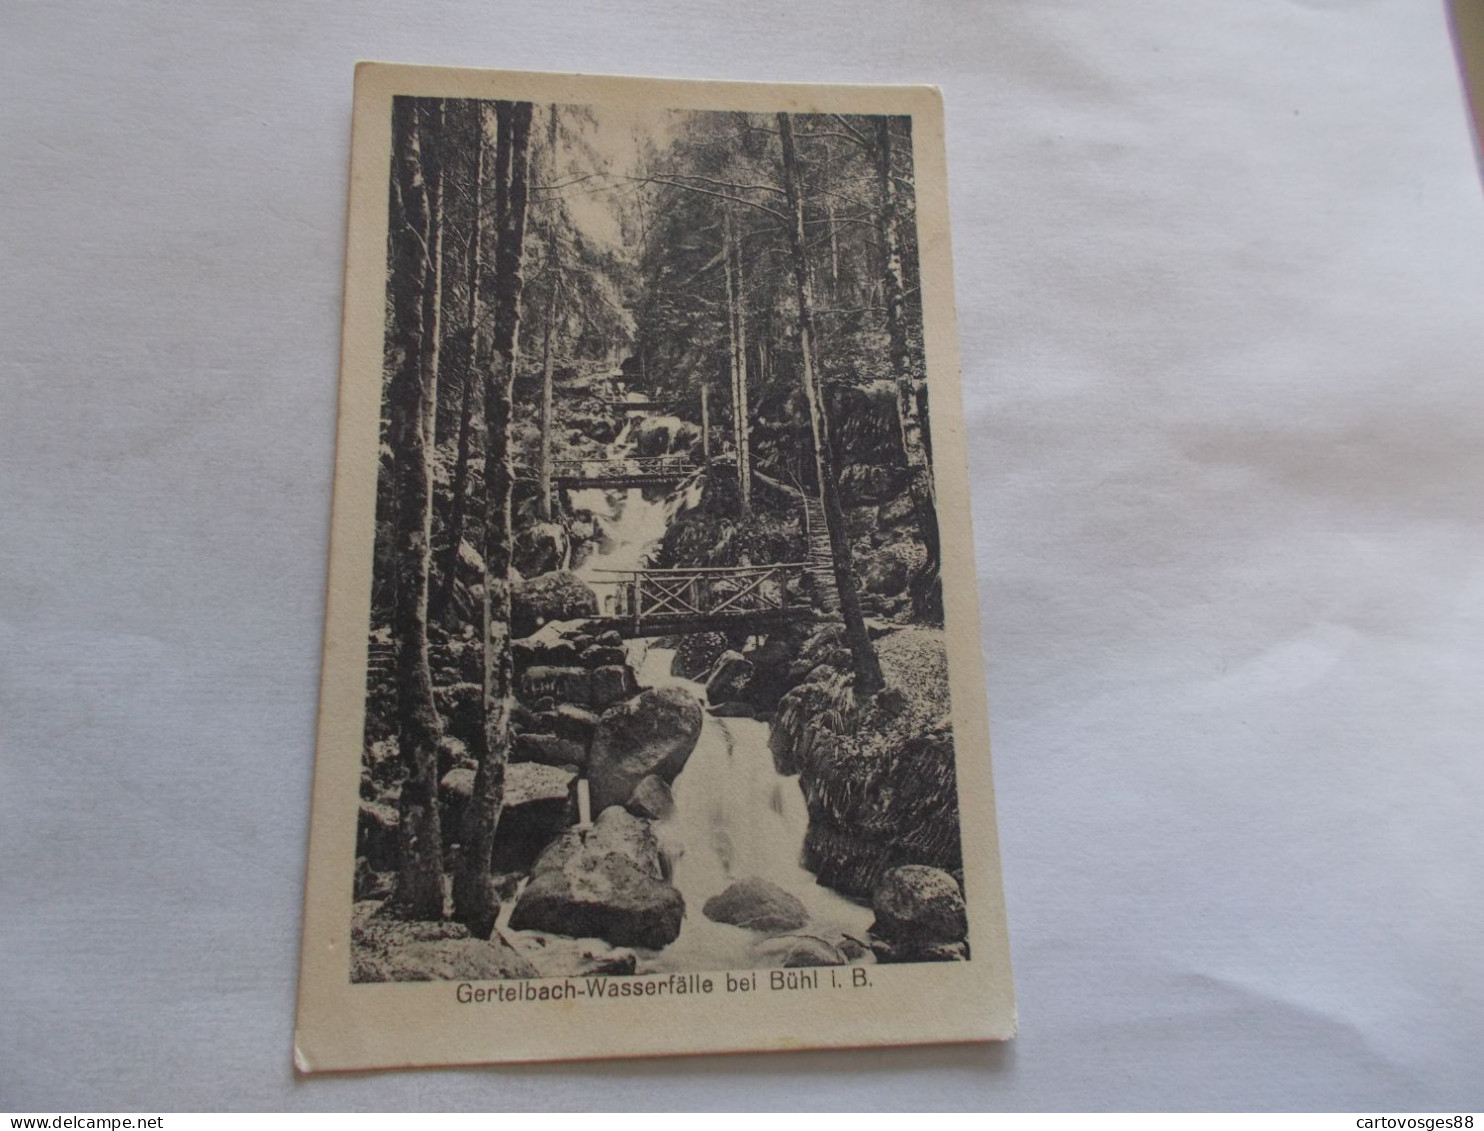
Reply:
x=653 y=715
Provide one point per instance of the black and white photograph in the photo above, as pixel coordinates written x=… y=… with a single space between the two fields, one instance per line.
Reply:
x=657 y=653
x=657 y=677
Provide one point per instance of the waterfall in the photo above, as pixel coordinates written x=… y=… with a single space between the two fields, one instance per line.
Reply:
x=735 y=816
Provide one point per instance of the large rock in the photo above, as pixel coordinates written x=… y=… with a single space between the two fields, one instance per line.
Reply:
x=888 y=953
x=604 y=883
x=575 y=723
x=612 y=684
x=918 y=905
x=729 y=678
x=461 y=707
x=549 y=750
x=377 y=837
x=652 y=733
x=566 y=685
x=540 y=805
x=390 y=950
x=885 y=574
x=696 y=653
x=540 y=548
x=770 y=662
x=651 y=799
x=600 y=656
x=794 y=951
x=758 y=905
x=546 y=648
x=550 y=597
x=454 y=791
x=896 y=511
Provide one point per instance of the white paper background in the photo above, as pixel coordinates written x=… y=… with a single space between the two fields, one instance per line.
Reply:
x=1219 y=272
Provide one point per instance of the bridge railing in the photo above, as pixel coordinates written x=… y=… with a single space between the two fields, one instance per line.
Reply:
x=677 y=464
x=693 y=592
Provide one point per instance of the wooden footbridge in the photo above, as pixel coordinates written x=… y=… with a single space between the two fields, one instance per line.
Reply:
x=659 y=602
x=637 y=471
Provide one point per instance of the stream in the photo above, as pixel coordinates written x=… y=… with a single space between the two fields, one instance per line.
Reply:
x=735 y=816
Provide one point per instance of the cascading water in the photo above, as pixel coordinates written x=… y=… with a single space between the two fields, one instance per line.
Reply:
x=735 y=816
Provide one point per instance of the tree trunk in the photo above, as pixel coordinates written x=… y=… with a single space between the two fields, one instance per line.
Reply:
x=543 y=499
x=744 y=422
x=706 y=424
x=737 y=362
x=868 y=677
x=476 y=903
x=927 y=593
x=442 y=607
x=411 y=400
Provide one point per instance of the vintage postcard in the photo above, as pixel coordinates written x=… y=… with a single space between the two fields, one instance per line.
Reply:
x=653 y=713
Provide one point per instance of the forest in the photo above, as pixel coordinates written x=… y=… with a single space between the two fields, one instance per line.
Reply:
x=656 y=675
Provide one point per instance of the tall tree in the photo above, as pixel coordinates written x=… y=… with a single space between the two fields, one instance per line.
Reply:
x=737 y=340
x=867 y=667
x=927 y=594
x=475 y=901
x=553 y=283
x=441 y=604
x=411 y=394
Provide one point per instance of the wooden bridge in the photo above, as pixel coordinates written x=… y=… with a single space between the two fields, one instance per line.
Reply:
x=658 y=602
x=644 y=404
x=637 y=471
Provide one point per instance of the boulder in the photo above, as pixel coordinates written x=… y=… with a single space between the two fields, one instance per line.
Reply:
x=549 y=750
x=895 y=511
x=372 y=885
x=600 y=656
x=376 y=836
x=544 y=649
x=461 y=707
x=793 y=951
x=575 y=723
x=612 y=684
x=919 y=906
x=605 y=883
x=540 y=805
x=567 y=685
x=609 y=639
x=540 y=548
x=729 y=678
x=652 y=733
x=770 y=662
x=553 y=596
x=889 y=953
x=452 y=753
x=651 y=799
x=758 y=905
x=615 y=831
x=696 y=653
x=454 y=790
